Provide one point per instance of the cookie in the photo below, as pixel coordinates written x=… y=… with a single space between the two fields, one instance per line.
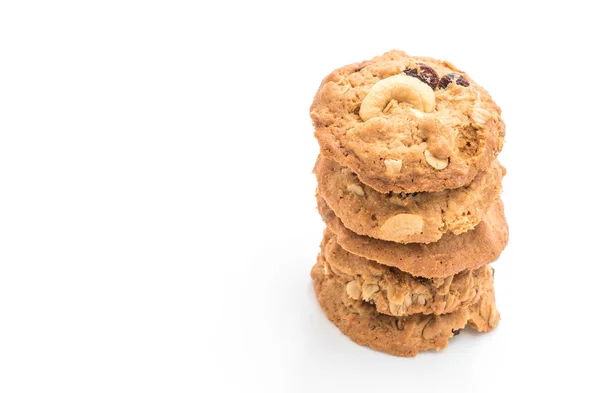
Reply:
x=421 y=217
x=399 y=336
x=407 y=124
x=394 y=292
x=449 y=255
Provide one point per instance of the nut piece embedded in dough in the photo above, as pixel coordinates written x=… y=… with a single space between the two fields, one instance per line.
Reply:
x=392 y=166
x=437 y=163
x=401 y=88
x=355 y=189
x=407 y=301
x=395 y=309
x=368 y=290
x=479 y=116
x=401 y=225
x=353 y=290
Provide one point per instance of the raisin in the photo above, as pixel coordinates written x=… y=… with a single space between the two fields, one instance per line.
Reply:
x=424 y=73
x=457 y=78
x=456 y=332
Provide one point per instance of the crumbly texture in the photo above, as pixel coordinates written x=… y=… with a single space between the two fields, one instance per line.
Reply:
x=449 y=255
x=419 y=140
x=421 y=217
x=399 y=336
x=394 y=292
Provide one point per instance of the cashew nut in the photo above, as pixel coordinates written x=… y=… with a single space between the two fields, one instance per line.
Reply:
x=402 y=88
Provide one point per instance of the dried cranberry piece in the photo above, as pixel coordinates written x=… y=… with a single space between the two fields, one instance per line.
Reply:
x=457 y=78
x=424 y=73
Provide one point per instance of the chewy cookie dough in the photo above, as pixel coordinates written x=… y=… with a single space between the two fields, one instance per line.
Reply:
x=394 y=292
x=448 y=256
x=406 y=218
x=400 y=336
x=408 y=185
x=407 y=124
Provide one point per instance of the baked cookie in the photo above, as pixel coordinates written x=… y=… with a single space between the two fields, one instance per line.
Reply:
x=407 y=124
x=394 y=292
x=399 y=336
x=449 y=255
x=421 y=217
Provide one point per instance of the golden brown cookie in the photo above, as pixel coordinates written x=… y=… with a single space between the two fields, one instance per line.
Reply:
x=421 y=217
x=399 y=336
x=407 y=124
x=448 y=256
x=394 y=292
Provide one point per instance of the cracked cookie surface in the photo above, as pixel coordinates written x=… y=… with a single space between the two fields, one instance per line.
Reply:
x=399 y=336
x=394 y=292
x=406 y=218
x=399 y=134
x=449 y=255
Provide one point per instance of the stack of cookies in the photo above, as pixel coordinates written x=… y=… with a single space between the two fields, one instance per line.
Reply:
x=409 y=187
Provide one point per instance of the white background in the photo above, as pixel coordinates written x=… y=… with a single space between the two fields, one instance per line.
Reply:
x=157 y=212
